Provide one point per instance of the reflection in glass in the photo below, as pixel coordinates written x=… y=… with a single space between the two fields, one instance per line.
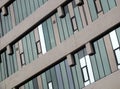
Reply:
x=82 y=62
x=89 y=69
x=50 y=86
x=85 y=74
x=117 y=53
x=114 y=39
x=42 y=40
x=87 y=83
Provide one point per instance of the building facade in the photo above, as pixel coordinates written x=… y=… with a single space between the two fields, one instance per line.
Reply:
x=59 y=44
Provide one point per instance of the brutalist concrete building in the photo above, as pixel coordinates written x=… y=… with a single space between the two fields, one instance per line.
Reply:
x=59 y=44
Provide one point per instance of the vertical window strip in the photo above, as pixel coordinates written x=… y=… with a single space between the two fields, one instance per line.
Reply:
x=44 y=81
x=65 y=30
x=51 y=33
x=24 y=8
x=15 y=59
x=78 y=17
x=8 y=61
x=4 y=70
x=46 y=36
x=112 y=3
x=29 y=47
x=16 y=12
x=92 y=8
x=32 y=6
x=60 y=28
x=25 y=49
x=75 y=79
x=33 y=45
x=105 y=5
x=68 y=21
x=48 y=76
x=54 y=78
x=70 y=79
x=90 y=70
x=10 y=19
x=95 y=68
x=3 y=24
x=42 y=39
x=78 y=70
x=6 y=23
x=116 y=46
x=98 y=60
x=20 y=12
x=1 y=29
x=87 y=70
x=118 y=34
x=64 y=75
x=104 y=56
x=59 y=76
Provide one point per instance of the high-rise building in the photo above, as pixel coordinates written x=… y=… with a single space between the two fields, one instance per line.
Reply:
x=59 y=44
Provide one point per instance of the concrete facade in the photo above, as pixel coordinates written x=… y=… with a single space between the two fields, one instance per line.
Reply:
x=106 y=23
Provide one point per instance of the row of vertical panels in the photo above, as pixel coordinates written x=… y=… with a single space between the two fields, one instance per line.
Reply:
x=23 y=8
x=62 y=76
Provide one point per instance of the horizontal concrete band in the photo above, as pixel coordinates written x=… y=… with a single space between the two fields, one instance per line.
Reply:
x=31 y=22
x=102 y=25
x=110 y=82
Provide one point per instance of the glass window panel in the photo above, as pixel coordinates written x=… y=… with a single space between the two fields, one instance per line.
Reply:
x=118 y=66
x=42 y=40
x=22 y=59
x=112 y=3
x=92 y=9
x=117 y=53
x=114 y=39
x=105 y=5
x=85 y=74
x=94 y=67
x=59 y=76
x=87 y=83
x=82 y=62
x=50 y=86
x=78 y=71
x=118 y=34
x=54 y=78
x=90 y=71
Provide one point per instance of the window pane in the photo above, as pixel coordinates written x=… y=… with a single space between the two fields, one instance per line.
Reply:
x=82 y=62
x=85 y=74
x=87 y=83
x=117 y=53
x=50 y=85
x=89 y=69
x=42 y=40
x=114 y=39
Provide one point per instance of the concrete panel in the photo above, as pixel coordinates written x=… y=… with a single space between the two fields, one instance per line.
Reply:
x=110 y=82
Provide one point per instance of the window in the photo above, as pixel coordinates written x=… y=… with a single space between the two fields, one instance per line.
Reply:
x=50 y=85
x=42 y=40
x=86 y=70
x=22 y=59
x=116 y=46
